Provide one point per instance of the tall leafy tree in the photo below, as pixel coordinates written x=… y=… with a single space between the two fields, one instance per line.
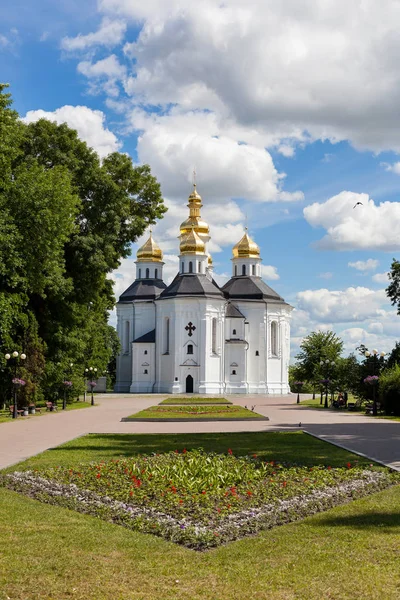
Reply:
x=393 y=289
x=318 y=346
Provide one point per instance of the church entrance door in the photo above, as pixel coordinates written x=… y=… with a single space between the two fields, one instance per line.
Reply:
x=189 y=384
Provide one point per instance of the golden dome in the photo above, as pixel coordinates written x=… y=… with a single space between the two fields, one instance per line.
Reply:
x=191 y=243
x=210 y=260
x=194 y=221
x=246 y=248
x=149 y=252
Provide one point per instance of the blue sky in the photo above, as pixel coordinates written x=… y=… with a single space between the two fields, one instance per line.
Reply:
x=289 y=111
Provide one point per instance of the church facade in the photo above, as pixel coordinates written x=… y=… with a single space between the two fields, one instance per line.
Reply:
x=192 y=336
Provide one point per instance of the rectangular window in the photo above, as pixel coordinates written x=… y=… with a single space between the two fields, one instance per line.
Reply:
x=214 y=336
x=166 y=336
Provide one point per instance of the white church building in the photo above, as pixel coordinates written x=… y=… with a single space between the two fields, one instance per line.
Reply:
x=194 y=336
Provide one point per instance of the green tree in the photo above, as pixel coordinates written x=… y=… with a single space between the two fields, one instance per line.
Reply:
x=393 y=289
x=316 y=347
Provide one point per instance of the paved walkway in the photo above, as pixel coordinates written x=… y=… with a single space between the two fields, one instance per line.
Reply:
x=379 y=439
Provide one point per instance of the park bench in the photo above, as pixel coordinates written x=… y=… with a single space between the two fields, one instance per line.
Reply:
x=11 y=407
x=51 y=406
x=369 y=408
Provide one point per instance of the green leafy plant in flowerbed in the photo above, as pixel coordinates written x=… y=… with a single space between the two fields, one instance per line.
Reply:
x=195 y=412
x=199 y=499
x=195 y=400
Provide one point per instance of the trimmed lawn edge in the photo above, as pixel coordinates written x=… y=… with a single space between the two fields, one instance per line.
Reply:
x=193 y=420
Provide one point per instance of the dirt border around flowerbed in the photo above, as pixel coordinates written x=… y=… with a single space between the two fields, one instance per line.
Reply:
x=189 y=420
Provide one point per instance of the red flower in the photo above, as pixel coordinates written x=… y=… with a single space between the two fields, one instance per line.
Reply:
x=284 y=483
x=230 y=451
x=254 y=455
x=348 y=465
x=204 y=492
x=176 y=451
x=249 y=493
x=184 y=451
x=173 y=489
x=131 y=493
x=180 y=501
x=329 y=468
x=98 y=475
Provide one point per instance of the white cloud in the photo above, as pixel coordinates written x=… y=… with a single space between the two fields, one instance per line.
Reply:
x=90 y=125
x=107 y=67
x=394 y=168
x=353 y=304
x=364 y=265
x=369 y=226
x=110 y=33
x=263 y=64
x=381 y=277
x=4 y=41
x=326 y=275
x=176 y=142
x=269 y=272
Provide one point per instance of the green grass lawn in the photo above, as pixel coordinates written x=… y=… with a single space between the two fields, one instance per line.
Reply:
x=316 y=404
x=196 y=401
x=5 y=416
x=51 y=553
x=196 y=412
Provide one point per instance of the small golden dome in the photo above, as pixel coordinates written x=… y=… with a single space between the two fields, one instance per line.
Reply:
x=246 y=248
x=194 y=197
x=191 y=243
x=210 y=260
x=149 y=252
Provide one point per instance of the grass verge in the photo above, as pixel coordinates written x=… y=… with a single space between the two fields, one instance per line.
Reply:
x=5 y=417
x=194 y=412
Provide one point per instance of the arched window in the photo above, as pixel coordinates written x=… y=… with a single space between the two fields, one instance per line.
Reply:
x=183 y=267
x=235 y=270
x=127 y=335
x=166 y=336
x=274 y=338
x=234 y=332
x=233 y=371
x=190 y=349
x=214 y=336
x=156 y=274
x=257 y=353
x=243 y=269
x=145 y=351
x=145 y=371
x=140 y=273
x=190 y=267
x=147 y=273
x=253 y=269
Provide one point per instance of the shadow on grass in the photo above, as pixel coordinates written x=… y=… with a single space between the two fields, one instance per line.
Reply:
x=368 y=520
x=286 y=447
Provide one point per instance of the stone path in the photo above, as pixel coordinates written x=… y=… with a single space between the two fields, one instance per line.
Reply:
x=379 y=439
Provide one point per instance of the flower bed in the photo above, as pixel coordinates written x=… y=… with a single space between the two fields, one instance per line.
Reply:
x=196 y=412
x=199 y=499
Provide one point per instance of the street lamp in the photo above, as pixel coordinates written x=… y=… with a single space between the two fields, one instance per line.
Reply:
x=92 y=371
x=374 y=379
x=327 y=367
x=17 y=383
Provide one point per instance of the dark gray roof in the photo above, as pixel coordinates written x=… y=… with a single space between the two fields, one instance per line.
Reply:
x=191 y=285
x=143 y=289
x=150 y=336
x=250 y=288
x=233 y=312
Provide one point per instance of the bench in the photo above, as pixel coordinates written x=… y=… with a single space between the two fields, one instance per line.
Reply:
x=51 y=406
x=11 y=407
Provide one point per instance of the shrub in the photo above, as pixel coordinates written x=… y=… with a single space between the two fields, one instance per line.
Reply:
x=389 y=389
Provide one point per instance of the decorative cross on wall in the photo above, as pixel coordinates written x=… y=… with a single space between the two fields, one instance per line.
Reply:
x=190 y=328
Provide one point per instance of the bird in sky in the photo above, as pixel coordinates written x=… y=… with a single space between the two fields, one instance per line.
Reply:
x=357 y=203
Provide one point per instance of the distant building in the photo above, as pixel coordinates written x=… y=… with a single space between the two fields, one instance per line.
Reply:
x=194 y=336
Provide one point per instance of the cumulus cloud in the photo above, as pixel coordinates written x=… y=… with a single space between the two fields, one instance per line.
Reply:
x=90 y=125
x=381 y=277
x=107 y=67
x=367 y=227
x=263 y=63
x=364 y=265
x=394 y=168
x=110 y=33
x=269 y=272
x=176 y=142
x=341 y=306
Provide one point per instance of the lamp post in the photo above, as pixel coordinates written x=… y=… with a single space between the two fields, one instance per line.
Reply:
x=17 y=383
x=327 y=367
x=374 y=379
x=92 y=371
